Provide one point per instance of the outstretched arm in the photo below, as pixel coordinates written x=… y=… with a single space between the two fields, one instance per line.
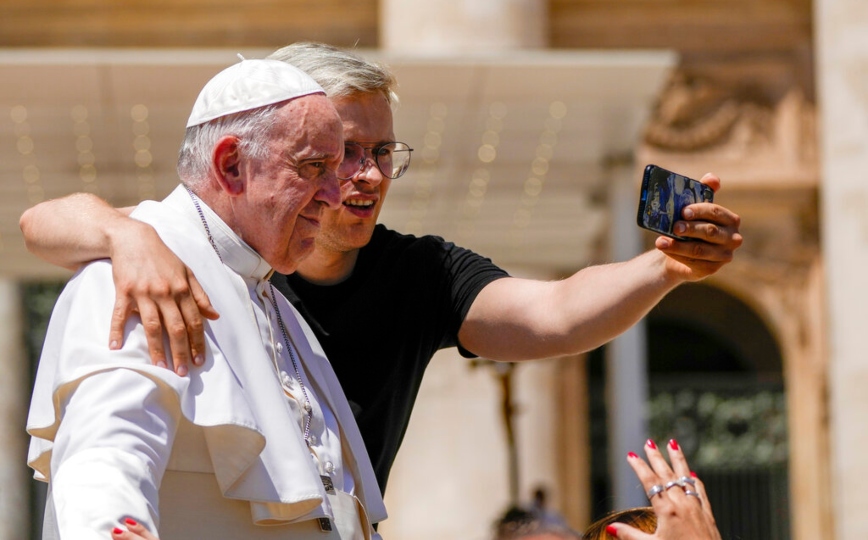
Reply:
x=149 y=278
x=518 y=319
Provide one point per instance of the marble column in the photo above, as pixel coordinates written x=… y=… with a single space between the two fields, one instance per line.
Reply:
x=841 y=27
x=14 y=396
x=626 y=362
x=462 y=26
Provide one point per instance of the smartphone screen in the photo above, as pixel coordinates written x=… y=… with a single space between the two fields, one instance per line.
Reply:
x=664 y=194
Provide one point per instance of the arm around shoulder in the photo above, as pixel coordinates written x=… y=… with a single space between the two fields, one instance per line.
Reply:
x=73 y=230
x=148 y=277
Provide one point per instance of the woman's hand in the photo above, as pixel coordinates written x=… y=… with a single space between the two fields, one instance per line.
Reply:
x=134 y=531
x=677 y=496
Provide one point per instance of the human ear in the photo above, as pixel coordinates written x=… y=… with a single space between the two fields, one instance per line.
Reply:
x=226 y=164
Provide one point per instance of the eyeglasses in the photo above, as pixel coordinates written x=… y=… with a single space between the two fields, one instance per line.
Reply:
x=392 y=158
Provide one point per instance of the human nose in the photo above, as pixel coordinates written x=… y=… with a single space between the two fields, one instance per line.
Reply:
x=329 y=191
x=370 y=172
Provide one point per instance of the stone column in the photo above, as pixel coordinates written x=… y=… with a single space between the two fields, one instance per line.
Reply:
x=842 y=83
x=14 y=397
x=626 y=362
x=462 y=26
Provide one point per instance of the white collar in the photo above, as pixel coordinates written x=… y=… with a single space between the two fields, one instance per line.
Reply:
x=235 y=252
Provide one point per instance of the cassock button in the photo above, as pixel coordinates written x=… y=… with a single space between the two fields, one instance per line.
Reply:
x=279 y=348
x=285 y=378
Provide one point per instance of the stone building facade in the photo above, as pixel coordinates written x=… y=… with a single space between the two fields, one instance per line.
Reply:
x=769 y=94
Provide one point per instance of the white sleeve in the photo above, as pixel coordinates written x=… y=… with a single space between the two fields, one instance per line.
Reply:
x=110 y=453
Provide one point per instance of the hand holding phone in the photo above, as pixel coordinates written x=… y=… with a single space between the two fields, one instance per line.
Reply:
x=664 y=195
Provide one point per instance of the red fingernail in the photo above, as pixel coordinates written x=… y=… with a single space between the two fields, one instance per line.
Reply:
x=631 y=455
x=612 y=530
x=673 y=444
x=117 y=531
x=651 y=444
x=693 y=474
x=130 y=522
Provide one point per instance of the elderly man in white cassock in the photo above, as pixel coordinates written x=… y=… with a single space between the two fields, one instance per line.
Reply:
x=261 y=442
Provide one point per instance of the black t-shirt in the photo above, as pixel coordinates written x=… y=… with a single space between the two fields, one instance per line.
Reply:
x=406 y=298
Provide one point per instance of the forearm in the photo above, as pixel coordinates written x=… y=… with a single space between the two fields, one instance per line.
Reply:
x=515 y=319
x=600 y=303
x=73 y=230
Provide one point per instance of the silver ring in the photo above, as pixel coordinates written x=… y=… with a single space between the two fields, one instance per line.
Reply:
x=691 y=493
x=656 y=489
x=674 y=483
x=687 y=480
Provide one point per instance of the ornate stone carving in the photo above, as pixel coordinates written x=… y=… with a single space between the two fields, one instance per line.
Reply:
x=695 y=114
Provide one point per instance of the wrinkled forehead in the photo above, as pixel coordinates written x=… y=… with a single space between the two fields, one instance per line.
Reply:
x=309 y=120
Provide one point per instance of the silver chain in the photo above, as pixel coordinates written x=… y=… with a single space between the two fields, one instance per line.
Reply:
x=308 y=409
x=204 y=222
x=306 y=406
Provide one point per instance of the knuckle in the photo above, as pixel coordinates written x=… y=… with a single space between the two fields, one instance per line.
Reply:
x=160 y=290
x=195 y=326
x=176 y=328
x=124 y=287
x=181 y=289
x=152 y=326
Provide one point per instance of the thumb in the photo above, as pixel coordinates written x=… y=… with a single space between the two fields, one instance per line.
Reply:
x=622 y=531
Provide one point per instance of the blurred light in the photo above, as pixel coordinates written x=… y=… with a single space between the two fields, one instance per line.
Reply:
x=78 y=113
x=143 y=158
x=139 y=113
x=24 y=145
x=84 y=144
x=142 y=143
x=19 y=114
x=487 y=153
x=557 y=109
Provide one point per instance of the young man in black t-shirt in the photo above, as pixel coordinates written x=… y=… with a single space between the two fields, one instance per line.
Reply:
x=382 y=303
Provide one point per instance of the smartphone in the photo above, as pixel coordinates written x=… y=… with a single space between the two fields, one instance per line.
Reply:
x=664 y=194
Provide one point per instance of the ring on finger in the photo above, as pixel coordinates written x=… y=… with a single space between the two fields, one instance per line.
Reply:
x=691 y=493
x=687 y=480
x=674 y=483
x=656 y=489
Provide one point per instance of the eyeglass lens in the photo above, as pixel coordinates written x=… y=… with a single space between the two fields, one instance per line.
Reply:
x=392 y=159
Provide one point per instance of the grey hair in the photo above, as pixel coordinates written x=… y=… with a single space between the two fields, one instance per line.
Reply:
x=341 y=73
x=252 y=127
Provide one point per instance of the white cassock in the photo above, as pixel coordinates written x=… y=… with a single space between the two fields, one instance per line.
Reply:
x=218 y=454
